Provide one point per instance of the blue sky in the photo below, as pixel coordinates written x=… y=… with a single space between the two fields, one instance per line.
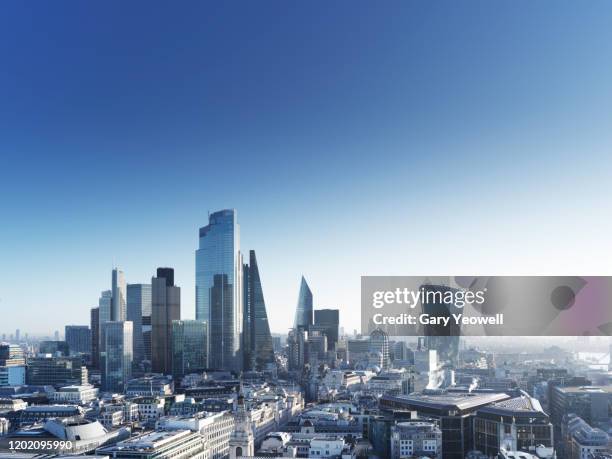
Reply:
x=353 y=138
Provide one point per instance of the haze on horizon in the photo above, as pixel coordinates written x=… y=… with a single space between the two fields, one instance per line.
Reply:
x=352 y=138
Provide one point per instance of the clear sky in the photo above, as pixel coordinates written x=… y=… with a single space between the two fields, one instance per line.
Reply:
x=353 y=138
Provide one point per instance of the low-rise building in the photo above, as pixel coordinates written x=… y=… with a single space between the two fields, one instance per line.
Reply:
x=177 y=444
x=415 y=439
x=76 y=394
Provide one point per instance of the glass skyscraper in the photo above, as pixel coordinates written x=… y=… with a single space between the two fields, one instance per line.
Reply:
x=219 y=289
x=258 y=350
x=188 y=347
x=303 y=313
x=117 y=356
x=138 y=305
x=118 y=303
x=165 y=307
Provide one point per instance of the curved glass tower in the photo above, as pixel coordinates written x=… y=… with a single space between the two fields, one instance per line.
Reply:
x=303 y=313
x=219 y=289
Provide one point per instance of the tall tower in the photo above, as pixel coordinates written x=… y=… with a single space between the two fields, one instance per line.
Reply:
x=165 y=307
x=219 y=289
x=138 y=306
x=303 y=313
x=117 y=356
x=258 y=349
x=118 y=302
x=241 y=442
x=95 y=337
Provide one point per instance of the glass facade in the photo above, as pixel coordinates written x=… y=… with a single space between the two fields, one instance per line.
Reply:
x=117 y=357
x=138 y=305
x=118 y=304
x=303 y=313
x=188 y=347
x=258 y=348
x=219 y=289
x=165 y=307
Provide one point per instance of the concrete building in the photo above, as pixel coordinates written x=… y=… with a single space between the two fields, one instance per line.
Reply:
x=453 y=411
x=75 y=394
x=516 y=424
x=415 y=439
x=179 y=444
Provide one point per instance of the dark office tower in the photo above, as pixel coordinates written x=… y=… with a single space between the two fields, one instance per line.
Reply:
x=188 y=347
x=78 y=338
x=443 y=339
x=303 y=313
x=258 y=348
x=138 y=303
x=165 y=307
x=54 y=347
x=17 y=335
x=95 y=337
x=328 y=320
x=219 y=289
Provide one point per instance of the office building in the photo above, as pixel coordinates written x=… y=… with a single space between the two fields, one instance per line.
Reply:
x=12 y=365
x=177 y=444
x=105 y=304
x=57 y=371
x=591 y=403
x=75 y=394
x=515 y=424
x=54 y=348
x=118 y=299
x=138 y=306
x=304 y=310
x=165 y=307
x=117 y=357
x=453 y=412
x=584 y=441
x=95 y=337
x=379 y=344
x=416 y=439
x=11 y=355
x=188 y=347
x=329 y=321
x=219 y=289
x=78 y=338
x=258 y=349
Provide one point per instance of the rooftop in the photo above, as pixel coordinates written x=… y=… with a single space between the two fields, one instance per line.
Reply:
x=451 y=401
x=153 y=440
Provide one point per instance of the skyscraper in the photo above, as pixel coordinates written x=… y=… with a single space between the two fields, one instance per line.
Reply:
x=138 y=305
x=117 y=355
x=78 y=338
x=379 y=343
x=95 y=337
x=328 y=320
x=165 y=307
x=258 y=350
x=219 y=289
x=105 y=305
x=303 y=313
x=188 y=347
x=118 y=303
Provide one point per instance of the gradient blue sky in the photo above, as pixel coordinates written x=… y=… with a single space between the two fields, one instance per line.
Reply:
x=409 y=137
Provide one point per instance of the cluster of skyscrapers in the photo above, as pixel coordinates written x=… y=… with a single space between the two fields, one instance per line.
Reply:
x=138 y=327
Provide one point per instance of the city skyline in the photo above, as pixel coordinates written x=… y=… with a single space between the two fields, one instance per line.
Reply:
x=425 y=139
